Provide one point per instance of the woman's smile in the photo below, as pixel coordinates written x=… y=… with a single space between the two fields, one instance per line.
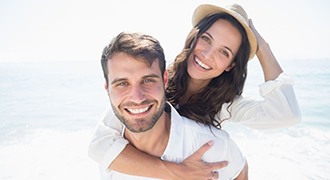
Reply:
x=201 y=64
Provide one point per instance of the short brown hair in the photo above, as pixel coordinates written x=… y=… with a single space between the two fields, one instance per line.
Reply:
x=139 y=45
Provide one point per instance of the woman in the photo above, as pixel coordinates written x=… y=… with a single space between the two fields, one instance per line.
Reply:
x=206 y=81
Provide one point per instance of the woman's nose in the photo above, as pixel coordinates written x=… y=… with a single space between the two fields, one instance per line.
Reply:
x=208 y=54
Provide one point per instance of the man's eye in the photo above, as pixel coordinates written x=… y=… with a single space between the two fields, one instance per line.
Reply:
x=122 y=84
x=147 y=81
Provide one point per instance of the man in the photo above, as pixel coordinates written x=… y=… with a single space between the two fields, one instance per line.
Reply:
x=134 y=68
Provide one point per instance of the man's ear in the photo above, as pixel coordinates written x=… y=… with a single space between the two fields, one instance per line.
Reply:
x=106 y=86
x=165 y=77
x=230 y=67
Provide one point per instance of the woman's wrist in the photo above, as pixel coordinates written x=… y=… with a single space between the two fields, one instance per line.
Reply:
x=172 y=170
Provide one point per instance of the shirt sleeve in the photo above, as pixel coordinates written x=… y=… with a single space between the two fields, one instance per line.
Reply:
x=107 y=141
x=277 y=108
x=236 y=161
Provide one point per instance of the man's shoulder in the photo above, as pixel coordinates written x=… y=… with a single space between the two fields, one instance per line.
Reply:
x=192 y=128
x=198 y=134
x=205 y=130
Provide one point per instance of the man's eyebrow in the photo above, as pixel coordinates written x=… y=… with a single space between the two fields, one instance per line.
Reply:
x=151 y=76
x=118 y=80
x=144 y=77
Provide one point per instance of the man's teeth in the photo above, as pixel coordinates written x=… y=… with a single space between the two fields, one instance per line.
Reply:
x=200 y=63
x=138 y=111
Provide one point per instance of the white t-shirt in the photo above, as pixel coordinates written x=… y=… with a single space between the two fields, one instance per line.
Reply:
x=187 y=136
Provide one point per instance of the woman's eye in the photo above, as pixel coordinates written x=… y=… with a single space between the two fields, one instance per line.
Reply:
x=205 y=38
x=224 y=53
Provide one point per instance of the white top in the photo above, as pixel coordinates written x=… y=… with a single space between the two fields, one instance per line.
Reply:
x=186 y=136
x=278 y=108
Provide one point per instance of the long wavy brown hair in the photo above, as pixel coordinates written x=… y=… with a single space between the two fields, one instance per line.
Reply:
x=204 y=106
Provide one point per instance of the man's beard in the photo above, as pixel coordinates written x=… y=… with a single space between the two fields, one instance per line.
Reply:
x=150 y=123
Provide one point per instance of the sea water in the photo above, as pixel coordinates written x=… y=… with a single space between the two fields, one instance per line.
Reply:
x=48 y=111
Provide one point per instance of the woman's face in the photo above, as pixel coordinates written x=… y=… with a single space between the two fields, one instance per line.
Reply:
x=214 y=52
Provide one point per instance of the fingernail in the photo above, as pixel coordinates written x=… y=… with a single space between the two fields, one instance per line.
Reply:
x=210 y=143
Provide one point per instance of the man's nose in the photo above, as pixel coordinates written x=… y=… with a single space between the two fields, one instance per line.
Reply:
x=137 y=94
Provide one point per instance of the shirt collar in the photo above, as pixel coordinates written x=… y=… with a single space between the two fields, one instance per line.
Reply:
x=174 y=147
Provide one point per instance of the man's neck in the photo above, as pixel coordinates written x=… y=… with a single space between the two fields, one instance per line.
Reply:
x=153 y=141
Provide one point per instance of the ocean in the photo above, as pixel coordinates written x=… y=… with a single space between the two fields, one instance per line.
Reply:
x=48 y=111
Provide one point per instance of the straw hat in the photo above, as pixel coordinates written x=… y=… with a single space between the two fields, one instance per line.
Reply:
x=236 y=11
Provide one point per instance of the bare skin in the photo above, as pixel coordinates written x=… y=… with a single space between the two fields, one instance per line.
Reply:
x=269 y=64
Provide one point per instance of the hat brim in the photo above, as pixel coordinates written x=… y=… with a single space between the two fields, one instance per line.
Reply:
x=205 y=10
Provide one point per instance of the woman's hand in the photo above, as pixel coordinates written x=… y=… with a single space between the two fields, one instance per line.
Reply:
x=269 y=64
x=193 y=167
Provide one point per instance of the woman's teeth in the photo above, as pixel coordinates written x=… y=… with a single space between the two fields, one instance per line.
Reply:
x=201 y=64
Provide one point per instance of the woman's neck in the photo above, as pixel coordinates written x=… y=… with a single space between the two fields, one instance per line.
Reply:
x=194 y=86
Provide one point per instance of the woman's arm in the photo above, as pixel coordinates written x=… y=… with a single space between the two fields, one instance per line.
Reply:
x=269 y=64
x=278 y=106
x=134 y=162
x=110 y=150
x=107 y=141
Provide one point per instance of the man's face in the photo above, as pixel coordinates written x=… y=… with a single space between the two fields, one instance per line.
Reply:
x=136 y=92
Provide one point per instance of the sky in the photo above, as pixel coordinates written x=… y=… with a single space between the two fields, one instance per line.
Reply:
x=77 y=30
